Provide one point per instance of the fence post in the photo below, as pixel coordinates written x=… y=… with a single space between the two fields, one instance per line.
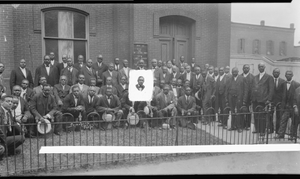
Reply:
x=267 y=122
x=177 y=126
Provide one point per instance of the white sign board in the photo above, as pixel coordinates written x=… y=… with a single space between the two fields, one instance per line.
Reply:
x=136 y=92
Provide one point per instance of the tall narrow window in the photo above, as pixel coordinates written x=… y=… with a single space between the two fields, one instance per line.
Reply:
x=241 y=46
x=65 y=33
x=256 y=46
x=270 y=47
x=282 y=49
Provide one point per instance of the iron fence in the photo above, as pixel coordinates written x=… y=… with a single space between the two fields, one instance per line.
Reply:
x=198 y=132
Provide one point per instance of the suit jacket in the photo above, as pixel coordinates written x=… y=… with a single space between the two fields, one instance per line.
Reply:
x=115 y=103
x=249 y=80
x=236 y=88
x=208 y=88
x=41 y=106
x=296 y=100
x=180 y=91
x=60 y=93
x=25 y=108
x=60 y=67
x=122 y=73
x=115 y=77
x=184 y=77
x=221 y=85
x=52 y=78
x=157 y=73
x=100 y=70
x=185 y=105
x=84 y=91
x=29 y=95
x=78 y=67
x=162 y=103
x=262 y=90
x=288 y=95
x=167 y=77
x=4 y=130
x=120 y=89
x=88 y=75
x=156 y=91
x=72 y=76
x=176 y=76
x=103 y=90
x=91 y=106
x=38 y=90
x=16 y=77
x=278 y=91
x=126 y=103
x=196 y=81
x=69 y=103
x=120 y=67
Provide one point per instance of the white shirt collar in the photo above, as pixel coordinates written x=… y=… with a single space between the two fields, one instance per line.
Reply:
x=221 y=77
x=99 y=63
x=262 y=74
x=245 y=75
x=235 y=78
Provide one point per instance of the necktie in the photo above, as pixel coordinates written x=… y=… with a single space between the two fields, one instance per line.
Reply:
x=108 y=99
x=166 y=99
x=69 y=69
x=24 y=95
x=117 y=67
x=276 y=84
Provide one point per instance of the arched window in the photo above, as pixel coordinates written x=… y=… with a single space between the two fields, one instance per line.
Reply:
x=241 y=46
x=270 y=47
x=65 y=32
x=256 y=46
x=282 y=48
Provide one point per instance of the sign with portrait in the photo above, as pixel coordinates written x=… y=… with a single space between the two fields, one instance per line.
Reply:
x=140 y=85
x=140 y=52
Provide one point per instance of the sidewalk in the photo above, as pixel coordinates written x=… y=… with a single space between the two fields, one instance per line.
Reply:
x=238 y=163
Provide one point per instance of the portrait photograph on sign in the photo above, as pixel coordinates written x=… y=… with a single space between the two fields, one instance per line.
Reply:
x=140 y=85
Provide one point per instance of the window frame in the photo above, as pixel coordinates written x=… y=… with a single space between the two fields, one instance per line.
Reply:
x=271 y=47
x=283 y=46
x=253 y=46
x=73 y=10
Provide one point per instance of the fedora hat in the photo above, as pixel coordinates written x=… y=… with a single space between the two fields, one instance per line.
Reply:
x=44 y=127
x=108 y=117
x=146 y=110
x=133 y=118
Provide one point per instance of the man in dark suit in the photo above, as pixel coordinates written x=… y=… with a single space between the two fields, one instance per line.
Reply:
x=157 y=72
x=175 y=73
x=179 y=87
x=197 y=79
x=193 y=65
x=208 y=91
x=262 y=93
x=125 y=70
x=188 y=75
x=186 y=106
x=182 y=62
x=122 y=86
x=140 y=86
x=83 y=89
x=21 y=112
x=111 y=73
x=70 y=72
x=91 y=101
x=53 y=61
x=287 y=104
x=278 y=84
x=108 y=85
x=17 y=75
x=26 y=93
x=220 y=96
x=169 y=66
x=61 y=90
x=43 y=106
x=80 y=64
x=97 y=89
x=47 y=70
x=295 y=120
x=110 y=103
x=173 y=86
x=117 y=65
x=10 y=132
x=181 y=71
x=88 y=72
x=100 y=67
x=126 y=104
x=39 y=89
x=63 y=64
x=166 y=75
x=235 y=98
x=74 y=103
x=249 y=79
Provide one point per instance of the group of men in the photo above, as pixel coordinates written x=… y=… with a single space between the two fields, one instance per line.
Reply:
x=180 y=89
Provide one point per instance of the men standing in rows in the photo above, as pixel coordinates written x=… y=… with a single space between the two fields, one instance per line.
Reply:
x=61 y=90
x=220 y=96
x=83 y=88
x=276 y=99
x=249 y=80
x=70 y=72
x=262 y=93
x=47 y=70
x=88 y=72
x=111 y=73
x=43 y=106
x=117 y=64
x=157 y=72
x=208 y=91
x=287 y=104
x=187 y=107
x=235 y=97
x=17 y=75
x=80 y=64
x=227 y=71
x=166 y=75
x=100 y=67
x=63 y=64
x=125 y=70
x=26 y=93
x=21 y=113
x=110 y=103
x=108 y=85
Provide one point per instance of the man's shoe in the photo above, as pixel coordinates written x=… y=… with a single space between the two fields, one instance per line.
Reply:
x=292 y=138
x=231 y=129
x=224 y=127
x=247 y=128
x=220 y=125
x=262 y=134
x=57 y=133
x=240 y=130
x=254 y=132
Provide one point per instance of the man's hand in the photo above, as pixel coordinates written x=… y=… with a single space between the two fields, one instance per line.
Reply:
x=24 y=119
x=60 y=103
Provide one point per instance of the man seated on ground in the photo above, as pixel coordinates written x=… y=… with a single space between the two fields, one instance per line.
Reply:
x=186 y=106
x=39 y=89
x=91 y=103
x=10 y=133
x=74 y=104
x=108 y=85
x=97 y=89
x=61 y=90
x=26 y=92
x=43 y=106
x=110 y=103
x=83 y=88
x=21 y=112
x=166 y=106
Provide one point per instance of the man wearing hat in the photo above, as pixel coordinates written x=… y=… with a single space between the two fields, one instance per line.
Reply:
x=10 y=133
x=111 y=106
x=43 y=106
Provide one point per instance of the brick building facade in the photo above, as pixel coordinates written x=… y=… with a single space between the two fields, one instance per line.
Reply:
x=113 y=30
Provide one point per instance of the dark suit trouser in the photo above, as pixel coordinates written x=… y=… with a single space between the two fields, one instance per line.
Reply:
x=295 y=124
x=184 y=120
x=168 y=113
x=236 y=121
x=287 y=113
x=277 y=120
x=247 y=118
x=13 y=142
x=221 y=106
x=259 y=118
x=206 y=104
